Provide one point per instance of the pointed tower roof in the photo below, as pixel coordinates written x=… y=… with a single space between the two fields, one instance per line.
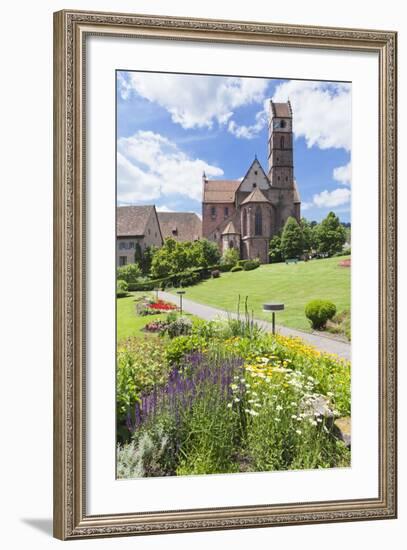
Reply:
x=255 y=196
x=296 y=192
x=230 y=229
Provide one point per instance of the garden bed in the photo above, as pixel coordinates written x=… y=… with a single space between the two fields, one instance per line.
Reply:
x=226 y=397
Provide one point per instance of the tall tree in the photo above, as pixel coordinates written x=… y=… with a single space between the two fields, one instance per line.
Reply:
x=275 y=252
x=307 y=235
x=330 y=235
x=292 y=244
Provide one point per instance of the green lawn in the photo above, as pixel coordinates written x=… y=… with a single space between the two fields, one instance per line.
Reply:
x=294 y=285
x=131 y=324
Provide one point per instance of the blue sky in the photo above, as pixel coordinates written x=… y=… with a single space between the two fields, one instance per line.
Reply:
x=171 y=128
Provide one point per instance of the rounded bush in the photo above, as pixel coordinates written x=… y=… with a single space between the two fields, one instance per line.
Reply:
x=215 y=274
x=121 y=288
x=319 y=312
x=226 y=267
x=236 y=268
x=251 y=264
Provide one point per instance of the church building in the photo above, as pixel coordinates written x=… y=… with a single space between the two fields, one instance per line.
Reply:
x=244 y=214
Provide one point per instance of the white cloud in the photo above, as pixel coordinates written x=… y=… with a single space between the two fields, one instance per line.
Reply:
x=329 y=199
x=343 y=174
x=164 y=208
x=306 y=205
x=150 y=166
x=249 y=132
x=322 y=112
x=194 y=101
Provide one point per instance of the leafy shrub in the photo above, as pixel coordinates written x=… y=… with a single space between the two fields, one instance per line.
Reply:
x=188 y=278
x=319 y=312
x=145 y=285
x=141 y=365
x=180 y=346
x=177 y=257
x=178 y=327
x=144 y=458
x=230 y=256
x=129 y=273
x=215 y=274
x=251 y=264
x=121 y=288
x=236 y=268
x=171 y=316
x=206 y=329
x=226 y=267
x=156 y=326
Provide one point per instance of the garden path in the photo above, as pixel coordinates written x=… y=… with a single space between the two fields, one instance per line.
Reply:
x=321 y=342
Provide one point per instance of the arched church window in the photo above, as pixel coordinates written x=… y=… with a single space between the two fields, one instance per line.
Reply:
x=282 y=123
x=245 y=222
x=231 y=245
x=282 y=142
x=258 y=222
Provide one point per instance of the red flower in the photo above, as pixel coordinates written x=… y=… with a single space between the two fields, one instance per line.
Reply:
x=161 y=305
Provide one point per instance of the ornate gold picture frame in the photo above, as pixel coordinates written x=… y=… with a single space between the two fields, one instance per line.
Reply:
x=72 y=29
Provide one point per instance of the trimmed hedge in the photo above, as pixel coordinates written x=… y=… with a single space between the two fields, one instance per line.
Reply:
x=191 y=276
x=186 y=278
x=251 y=264
x=226 y=267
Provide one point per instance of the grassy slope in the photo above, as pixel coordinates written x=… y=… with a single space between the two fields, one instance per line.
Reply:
x=294 y=285
x=131 y=324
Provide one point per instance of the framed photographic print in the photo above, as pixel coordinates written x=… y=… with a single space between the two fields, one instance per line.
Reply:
x=225 y=274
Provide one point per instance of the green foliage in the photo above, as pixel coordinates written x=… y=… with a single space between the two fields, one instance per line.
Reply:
x=147 y=258
x=329 y=235
x=178 y=327
x=121 y=288
x=307 y=235
x=319 y=312
x=230 y=257
x=180 y=346
x=262 y=418
x=236 y=268
x=207 y=253
x=143 y=458
x=176 y=257
x=129 y=273
x=224 y=268
x=340 y=324
x=292 y=243
x=251 y=264
x=138 y=254
x=141 y=365
x=275 y=252
x=283 y=431
x=187 y=278
x=212 y=430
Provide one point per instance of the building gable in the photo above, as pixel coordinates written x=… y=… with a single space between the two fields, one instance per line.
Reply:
x=181 y=226
x=255 y=177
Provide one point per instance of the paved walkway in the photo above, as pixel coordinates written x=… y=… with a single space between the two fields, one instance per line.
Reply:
x=321 y=342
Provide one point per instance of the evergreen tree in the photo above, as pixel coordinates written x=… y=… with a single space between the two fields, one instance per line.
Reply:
x=330 y=235
x=292 y=244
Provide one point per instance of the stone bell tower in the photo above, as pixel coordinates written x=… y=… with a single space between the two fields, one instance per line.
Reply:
x=280 y=145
